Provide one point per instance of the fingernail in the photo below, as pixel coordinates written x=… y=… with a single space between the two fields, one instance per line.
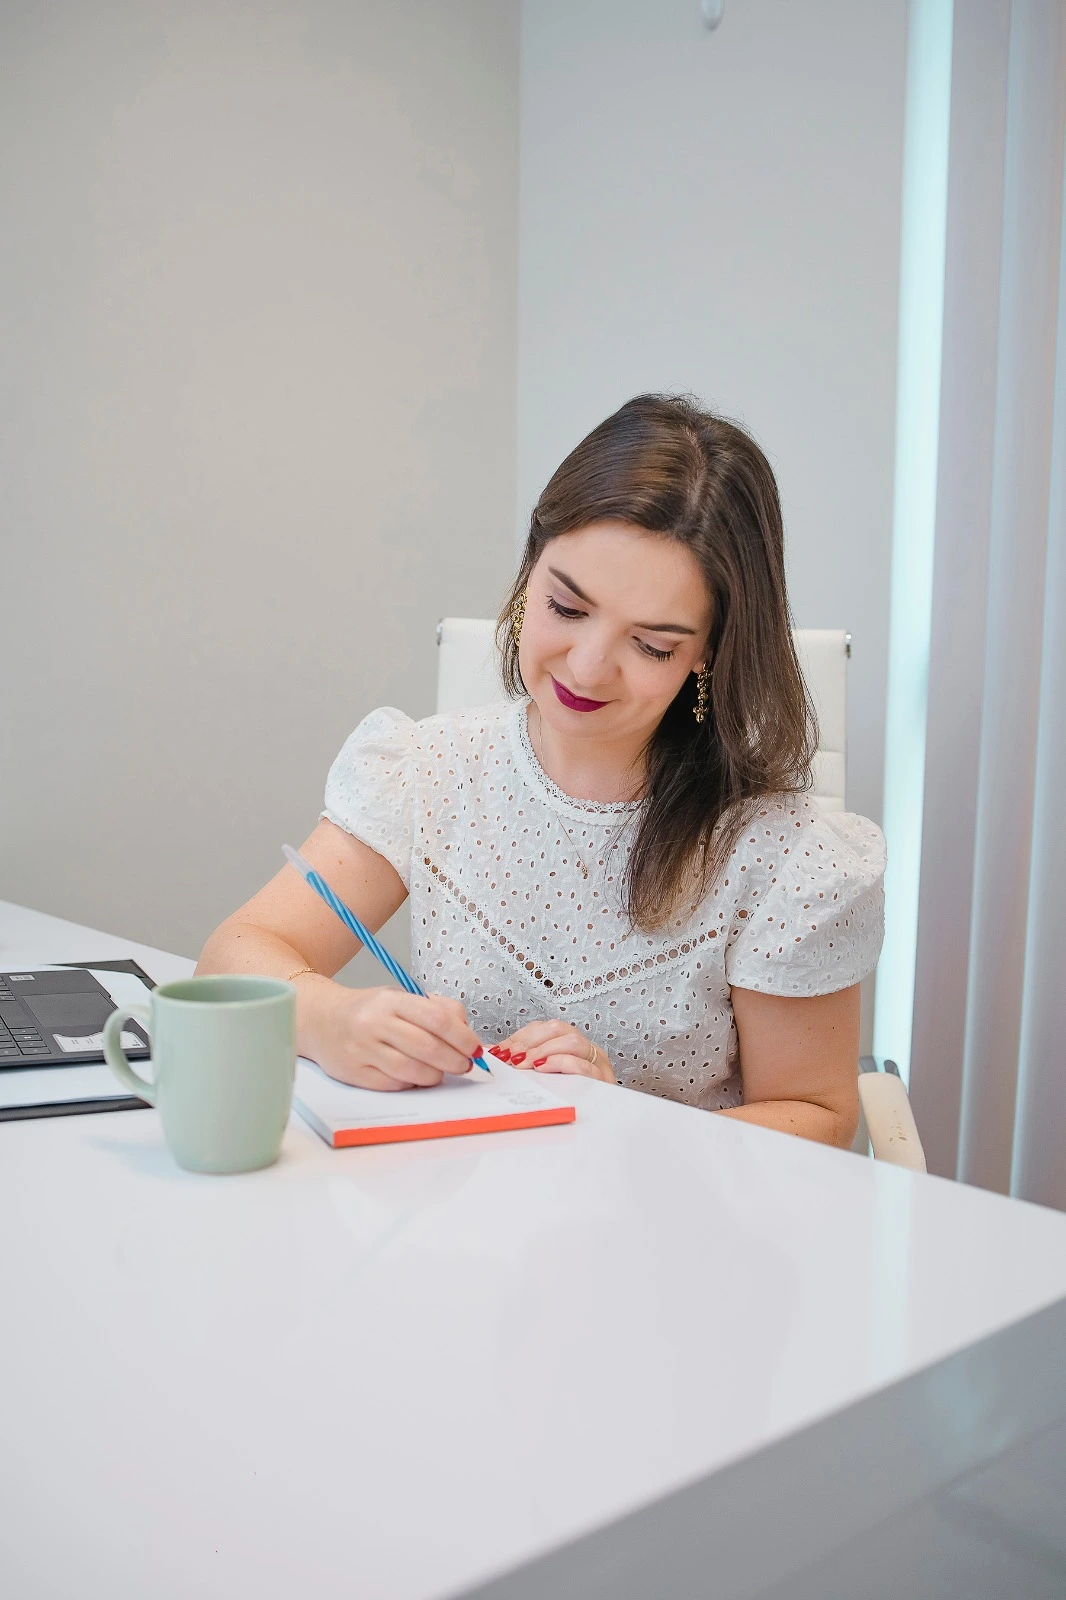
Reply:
x=540 y=1061
x=504 y=1055
x=521 y=1056
x=495 y=1051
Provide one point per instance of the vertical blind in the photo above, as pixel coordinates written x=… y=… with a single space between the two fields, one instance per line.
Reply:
x=988 y=1055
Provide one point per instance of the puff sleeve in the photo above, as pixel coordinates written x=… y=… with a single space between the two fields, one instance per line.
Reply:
x=372 y=790
x=810 y=919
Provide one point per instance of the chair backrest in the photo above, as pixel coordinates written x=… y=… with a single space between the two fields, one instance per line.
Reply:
x=468 y=674
x=823 y=656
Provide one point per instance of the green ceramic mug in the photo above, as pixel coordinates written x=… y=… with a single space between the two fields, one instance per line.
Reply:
x=224 y=1053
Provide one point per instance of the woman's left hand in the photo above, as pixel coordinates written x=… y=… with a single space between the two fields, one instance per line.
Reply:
x=555 y=1047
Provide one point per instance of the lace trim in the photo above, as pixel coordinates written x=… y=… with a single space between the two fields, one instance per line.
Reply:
x=526 y=759
x=622 y=974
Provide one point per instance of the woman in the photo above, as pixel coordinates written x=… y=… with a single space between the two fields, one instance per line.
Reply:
x=618 y=873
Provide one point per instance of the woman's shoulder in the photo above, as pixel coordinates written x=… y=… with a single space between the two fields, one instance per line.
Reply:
x=805 y=895
x=392 y=771
x=467 y=725
x=390 y=736
x=810 y=835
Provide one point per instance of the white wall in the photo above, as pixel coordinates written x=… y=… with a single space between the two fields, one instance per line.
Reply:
x=719 y=213
x=257 y=431
x=256 y=422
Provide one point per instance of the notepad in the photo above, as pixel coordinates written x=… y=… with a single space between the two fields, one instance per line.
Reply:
x=475 y=1103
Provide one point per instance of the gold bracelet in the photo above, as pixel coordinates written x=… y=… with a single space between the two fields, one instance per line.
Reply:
x=299 y=973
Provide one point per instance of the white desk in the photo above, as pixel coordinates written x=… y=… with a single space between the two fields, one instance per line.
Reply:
x=406 y=1371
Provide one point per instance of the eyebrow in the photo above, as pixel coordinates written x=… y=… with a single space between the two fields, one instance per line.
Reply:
x=651 y=627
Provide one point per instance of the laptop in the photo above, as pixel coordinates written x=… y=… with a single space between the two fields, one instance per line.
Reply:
x=51 y=1019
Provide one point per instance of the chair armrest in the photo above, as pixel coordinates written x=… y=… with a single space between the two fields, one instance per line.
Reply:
x=889 y=1120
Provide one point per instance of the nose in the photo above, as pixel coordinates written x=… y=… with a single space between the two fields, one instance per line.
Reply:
x=590 y=663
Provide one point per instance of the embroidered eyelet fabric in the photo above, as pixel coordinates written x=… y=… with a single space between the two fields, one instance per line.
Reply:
x=504 y=920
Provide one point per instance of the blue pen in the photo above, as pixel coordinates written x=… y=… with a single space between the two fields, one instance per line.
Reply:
x=363 y=934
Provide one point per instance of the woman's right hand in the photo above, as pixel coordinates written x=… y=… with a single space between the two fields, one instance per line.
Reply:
x=384 y=1038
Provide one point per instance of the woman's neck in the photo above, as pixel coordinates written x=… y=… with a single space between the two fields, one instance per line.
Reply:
x=606 y=773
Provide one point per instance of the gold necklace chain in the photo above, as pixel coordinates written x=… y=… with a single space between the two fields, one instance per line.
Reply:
x=616 y=841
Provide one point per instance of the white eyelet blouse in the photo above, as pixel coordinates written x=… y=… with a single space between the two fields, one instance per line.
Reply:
x=503 y=919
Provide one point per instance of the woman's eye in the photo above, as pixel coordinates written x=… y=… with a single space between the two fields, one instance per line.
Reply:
x=570 y=613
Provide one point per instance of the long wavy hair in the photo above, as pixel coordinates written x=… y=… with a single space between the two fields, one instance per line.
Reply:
x=664 y=465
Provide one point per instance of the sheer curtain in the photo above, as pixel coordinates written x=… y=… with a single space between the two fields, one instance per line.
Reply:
x=988 y=1056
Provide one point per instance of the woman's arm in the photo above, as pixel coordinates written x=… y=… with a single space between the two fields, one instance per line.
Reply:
x=376 y=1038
x=799 y=1059
x=286 y=925
x=800 y=1063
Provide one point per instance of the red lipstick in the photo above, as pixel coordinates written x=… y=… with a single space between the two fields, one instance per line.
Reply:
x=574 y=702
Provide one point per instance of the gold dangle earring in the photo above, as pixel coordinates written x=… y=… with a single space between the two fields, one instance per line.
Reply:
x=703 y=681
x=518 y=615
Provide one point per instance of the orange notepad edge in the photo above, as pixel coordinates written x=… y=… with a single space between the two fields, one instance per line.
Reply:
x=546 y=1117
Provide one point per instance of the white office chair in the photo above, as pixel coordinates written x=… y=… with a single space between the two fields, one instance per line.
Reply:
x=468 y=674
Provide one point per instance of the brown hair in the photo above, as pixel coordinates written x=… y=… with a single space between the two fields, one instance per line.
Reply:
x=664 y=465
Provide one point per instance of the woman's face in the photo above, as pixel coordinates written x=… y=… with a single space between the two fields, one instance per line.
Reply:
x=613 y=615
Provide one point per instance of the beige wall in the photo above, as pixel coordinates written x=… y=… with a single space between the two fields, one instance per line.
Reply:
x=256 y=423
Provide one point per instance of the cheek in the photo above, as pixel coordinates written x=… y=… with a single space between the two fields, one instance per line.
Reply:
x=543 y=638
x=663 y=679
x=650 y=685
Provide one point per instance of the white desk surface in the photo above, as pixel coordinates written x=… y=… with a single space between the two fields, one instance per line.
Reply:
x=402 y=1371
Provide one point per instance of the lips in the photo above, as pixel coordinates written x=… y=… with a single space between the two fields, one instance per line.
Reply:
x=574 y=702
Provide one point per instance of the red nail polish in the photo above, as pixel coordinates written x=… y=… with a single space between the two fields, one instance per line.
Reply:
x=521 y=1056
x=540 y=1061
x=495 y=1051
x=504 y=1055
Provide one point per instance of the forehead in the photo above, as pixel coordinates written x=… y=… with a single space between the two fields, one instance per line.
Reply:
x=629 y=569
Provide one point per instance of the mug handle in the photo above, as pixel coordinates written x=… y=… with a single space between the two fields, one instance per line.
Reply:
x=116 y=1057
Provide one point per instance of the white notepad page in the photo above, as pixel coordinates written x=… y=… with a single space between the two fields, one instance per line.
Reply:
x=330 y=1107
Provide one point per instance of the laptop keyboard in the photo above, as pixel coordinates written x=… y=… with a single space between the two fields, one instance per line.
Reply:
x=16 y=1042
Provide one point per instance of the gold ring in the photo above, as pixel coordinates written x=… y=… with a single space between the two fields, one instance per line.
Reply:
x=592 y=1054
